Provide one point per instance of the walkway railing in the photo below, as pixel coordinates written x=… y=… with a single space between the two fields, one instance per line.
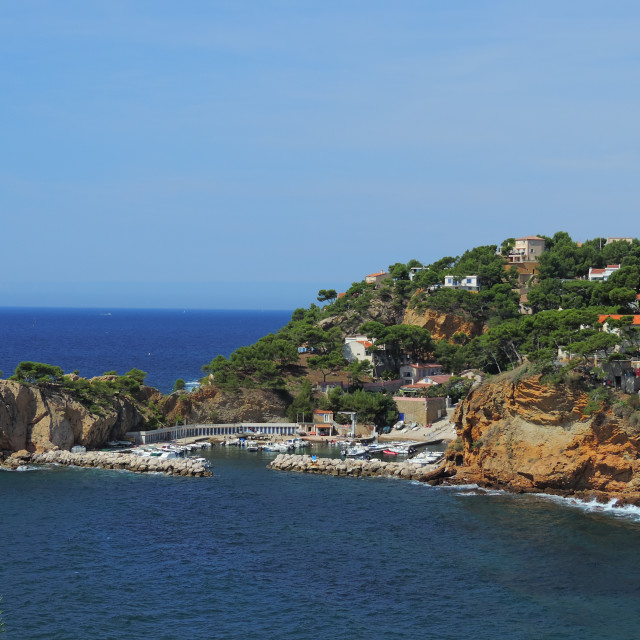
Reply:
x=176 y=432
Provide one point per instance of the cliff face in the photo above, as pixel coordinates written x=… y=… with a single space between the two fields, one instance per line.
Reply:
x=377 y=310
x=442 y=325
x=211 y=404
x=528 y=437
x=42 y=418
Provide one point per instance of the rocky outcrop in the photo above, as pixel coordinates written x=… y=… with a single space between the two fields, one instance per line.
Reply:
x=443 y=326
x=525 y=436
x=212 y=404
x=38 y=418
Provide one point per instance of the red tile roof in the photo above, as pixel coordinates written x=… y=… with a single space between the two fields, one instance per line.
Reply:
x=603 y=317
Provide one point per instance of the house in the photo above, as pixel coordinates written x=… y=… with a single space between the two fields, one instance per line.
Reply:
x=377 y=278
x=468 y=283
x=622 y=374
x=473 y=374
x=358 y=348
x=602 y=275
x=527 y=249
x=411 y=373
x=422 y=411
x=602 y=319
x=610 y=240
x=430 y=381
x=322 y=423
x=414 y=271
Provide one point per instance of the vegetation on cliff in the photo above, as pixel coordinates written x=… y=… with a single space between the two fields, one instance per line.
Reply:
x=563 y=317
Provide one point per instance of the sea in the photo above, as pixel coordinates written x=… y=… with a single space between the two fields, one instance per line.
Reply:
x=254 y=553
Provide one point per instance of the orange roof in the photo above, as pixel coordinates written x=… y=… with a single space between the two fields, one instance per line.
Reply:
x=380 y=273
x=321 y=411
x=342 y=294
x=603 y=317
x=365 y=343
x=530 y=238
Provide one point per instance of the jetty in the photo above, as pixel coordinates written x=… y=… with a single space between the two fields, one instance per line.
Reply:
x=113 y=460
x=360 y=468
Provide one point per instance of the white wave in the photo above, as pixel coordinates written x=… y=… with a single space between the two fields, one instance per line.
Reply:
x=593 y=506
x=23 y=467
x=459 y=487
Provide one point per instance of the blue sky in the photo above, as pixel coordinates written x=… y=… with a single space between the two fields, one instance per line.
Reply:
x=212 y=154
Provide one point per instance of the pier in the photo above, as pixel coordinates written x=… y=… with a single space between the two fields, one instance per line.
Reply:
x=109 y=460
x=179 y=432
x=360 y=468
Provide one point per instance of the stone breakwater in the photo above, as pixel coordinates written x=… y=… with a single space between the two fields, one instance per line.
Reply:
x=109 y=460
x=360 y=468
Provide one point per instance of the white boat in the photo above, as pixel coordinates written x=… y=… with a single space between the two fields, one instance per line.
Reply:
x=427 y=457
x=357 y=451
x=276 y=447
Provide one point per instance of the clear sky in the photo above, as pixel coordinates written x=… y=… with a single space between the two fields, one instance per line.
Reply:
x=244 y=154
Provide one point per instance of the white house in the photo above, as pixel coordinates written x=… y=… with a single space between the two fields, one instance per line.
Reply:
x=468 y=283
x=411 y=373
x=602 y=275
x=357 y=348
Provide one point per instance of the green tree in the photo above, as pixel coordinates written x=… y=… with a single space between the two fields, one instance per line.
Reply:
x=327 y=364
x=37 y=373
x=399 y=271
x=179 y=385
x=302 y=403
x=623 y=297
x=327 y=294
x=137 y=375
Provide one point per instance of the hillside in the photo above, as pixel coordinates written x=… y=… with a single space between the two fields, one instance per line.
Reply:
x=547 y=301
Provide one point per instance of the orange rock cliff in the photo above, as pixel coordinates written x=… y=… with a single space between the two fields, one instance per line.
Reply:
x=528 y=437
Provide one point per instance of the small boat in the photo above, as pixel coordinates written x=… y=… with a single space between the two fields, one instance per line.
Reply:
x=427 y=457
x=276 y=447
x=355 y=452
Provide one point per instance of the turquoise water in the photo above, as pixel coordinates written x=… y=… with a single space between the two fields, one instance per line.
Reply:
x=253 y=553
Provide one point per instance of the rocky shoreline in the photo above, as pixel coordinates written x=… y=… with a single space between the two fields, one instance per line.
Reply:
x=359 y=468
x=110 y=460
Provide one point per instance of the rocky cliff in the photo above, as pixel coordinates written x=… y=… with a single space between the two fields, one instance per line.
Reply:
x=212 y=404
x=442 y=325
x=42 y=418
x=525 y=436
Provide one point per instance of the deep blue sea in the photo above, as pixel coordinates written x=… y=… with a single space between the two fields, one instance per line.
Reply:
x=167 y=344
x=253 y=553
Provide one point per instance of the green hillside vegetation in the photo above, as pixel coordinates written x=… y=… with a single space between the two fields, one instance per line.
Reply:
x=97 y=394
x=564 y=307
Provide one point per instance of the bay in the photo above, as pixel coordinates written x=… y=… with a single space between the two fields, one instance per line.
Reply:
x=253 y=553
